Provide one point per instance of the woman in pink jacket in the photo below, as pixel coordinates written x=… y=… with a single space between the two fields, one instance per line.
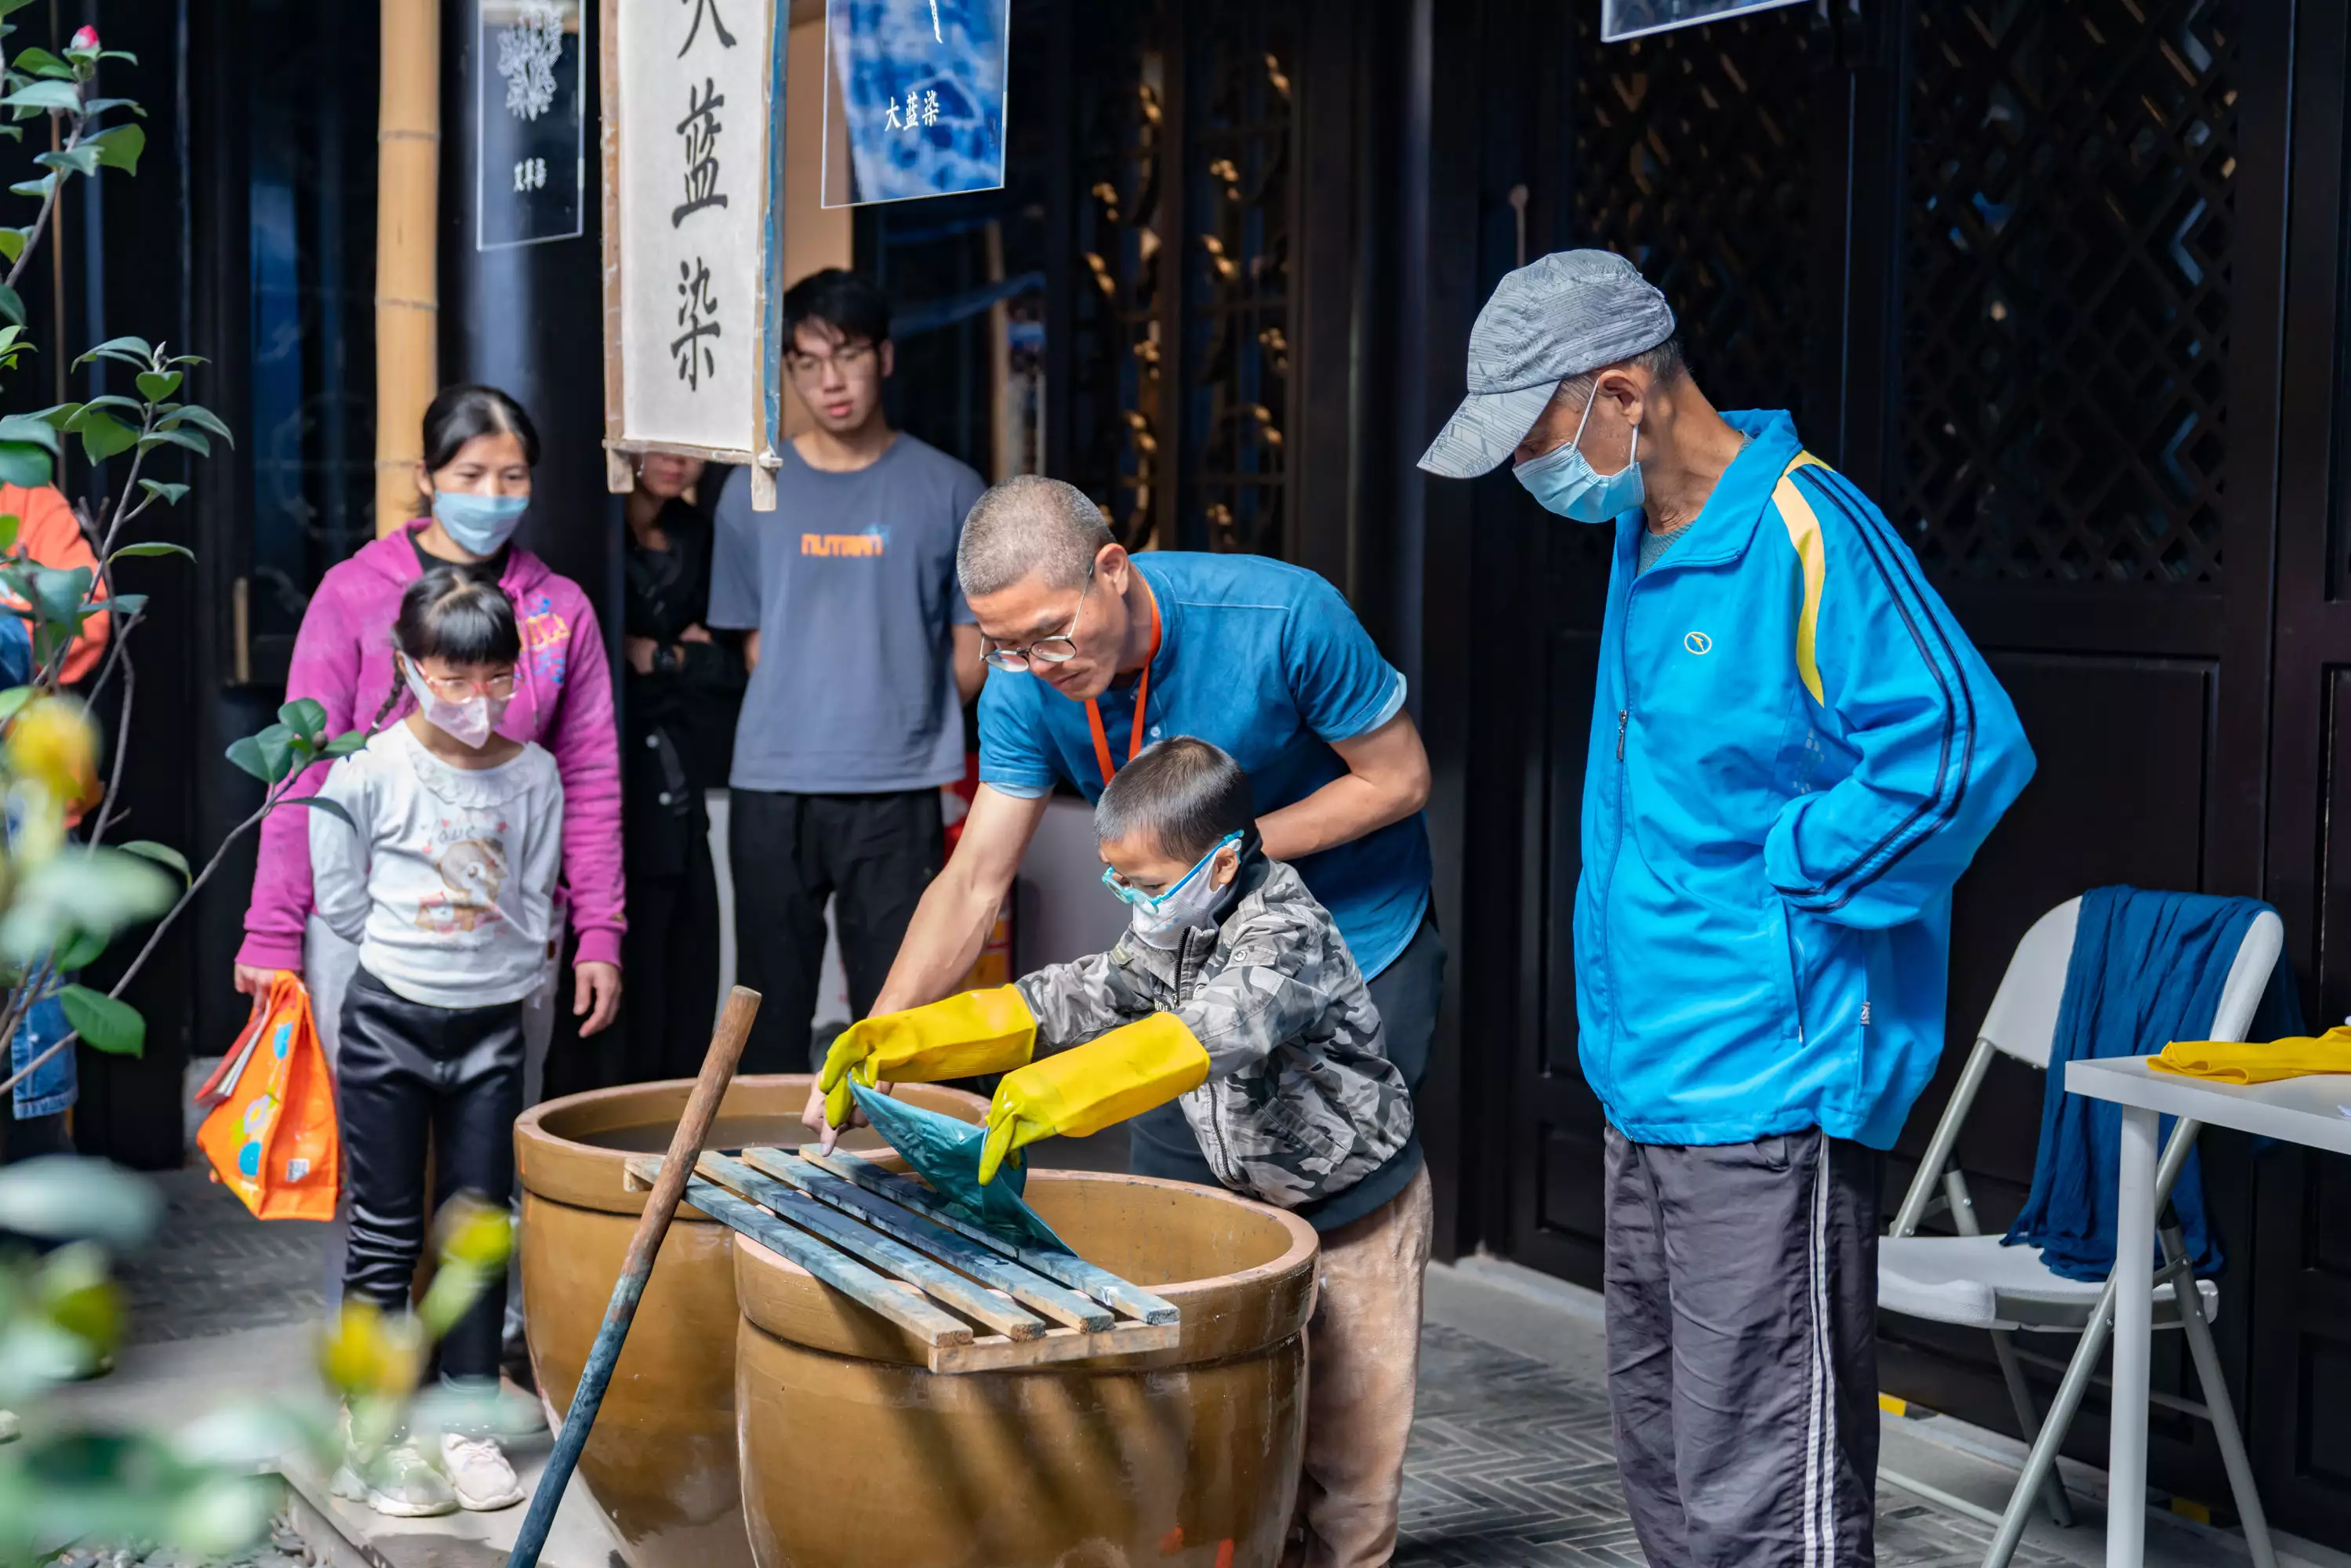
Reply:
x=479 y=447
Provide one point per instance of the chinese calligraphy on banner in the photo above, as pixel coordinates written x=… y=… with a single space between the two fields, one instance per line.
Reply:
x=922 y=89
x=1622 y=19
x=531 y=170
x=693 y=125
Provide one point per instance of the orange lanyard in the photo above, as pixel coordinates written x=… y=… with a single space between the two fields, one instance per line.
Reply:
x=1141 y=699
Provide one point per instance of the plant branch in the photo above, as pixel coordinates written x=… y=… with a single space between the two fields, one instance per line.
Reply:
x=107 y=815
x=49 y=204
x=162 y=927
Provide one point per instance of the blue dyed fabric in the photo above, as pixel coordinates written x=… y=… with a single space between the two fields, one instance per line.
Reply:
x=922 y=86
x=945 y=1154
x=57 y=1084
x=2148 y=968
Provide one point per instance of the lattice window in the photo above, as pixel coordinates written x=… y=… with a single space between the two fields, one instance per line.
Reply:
x=2066 y=280
x=1694 y=157
x=1237 y=166
x=1118 y=404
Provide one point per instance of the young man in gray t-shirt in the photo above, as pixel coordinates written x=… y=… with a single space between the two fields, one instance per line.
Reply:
x=863 y=654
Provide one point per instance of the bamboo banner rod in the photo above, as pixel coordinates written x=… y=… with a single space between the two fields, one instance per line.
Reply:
x=407 y=281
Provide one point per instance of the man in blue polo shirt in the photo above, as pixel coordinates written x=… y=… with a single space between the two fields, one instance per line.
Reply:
x=1095 y=655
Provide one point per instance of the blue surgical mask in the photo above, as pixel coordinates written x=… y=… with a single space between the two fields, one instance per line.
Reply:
x=1161 y=918
x=1563 y=481
x=479 y=524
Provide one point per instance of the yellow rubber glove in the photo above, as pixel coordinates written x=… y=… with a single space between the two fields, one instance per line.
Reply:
x=1086 y=1088
x=962 y=1037
x=2257 y=1062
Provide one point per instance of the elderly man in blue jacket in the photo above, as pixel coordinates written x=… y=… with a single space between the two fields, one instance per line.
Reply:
x=1795 y=753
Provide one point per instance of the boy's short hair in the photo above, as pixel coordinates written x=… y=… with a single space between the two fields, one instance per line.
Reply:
x=1186 y=793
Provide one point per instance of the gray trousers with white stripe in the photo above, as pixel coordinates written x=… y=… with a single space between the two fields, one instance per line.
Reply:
x=1742 y=1364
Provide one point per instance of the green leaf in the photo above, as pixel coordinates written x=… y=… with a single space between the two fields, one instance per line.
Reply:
x=38 y=62
x=113 y=1027
x=156 y=547
x=29 y=427
x=8 y=526
x=103 y=435
x=123 y=55
x=62 y=96
x=187 y=438
x=109 y=400
x=76 y=950
x=59 y=1199
x=157 y=385
x=120 y=148
x=14 y=698
x=58 y=595
x=22 y=462
x=12 y=243
x=12 y=305
x=40 y=187
x=343 y=744
x=10 y=8
x=245 y=752
x=320 y=803
x=169 y=495
x=81 y=159
x=95 y=107
x=203 y=419
x=121 y=348
x=121 y=604
x=305 y=716
x=162 y=854
x=58 y=416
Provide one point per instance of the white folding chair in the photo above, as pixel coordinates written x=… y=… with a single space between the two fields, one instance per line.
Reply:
x=1971 y=1281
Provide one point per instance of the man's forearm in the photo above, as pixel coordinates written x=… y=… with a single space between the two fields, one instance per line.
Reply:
x=1339 y=813
x=950 y=925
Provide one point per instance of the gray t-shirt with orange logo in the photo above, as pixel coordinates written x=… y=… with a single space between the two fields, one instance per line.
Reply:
x=851 y=584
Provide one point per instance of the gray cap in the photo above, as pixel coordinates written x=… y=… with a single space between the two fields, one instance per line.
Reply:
x=1571 y=312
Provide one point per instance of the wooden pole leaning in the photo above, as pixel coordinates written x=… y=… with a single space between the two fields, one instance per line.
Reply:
x=636 y=1267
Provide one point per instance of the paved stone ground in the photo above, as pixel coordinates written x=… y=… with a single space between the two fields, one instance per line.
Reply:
x=213 y=1269
x=1511 y=1467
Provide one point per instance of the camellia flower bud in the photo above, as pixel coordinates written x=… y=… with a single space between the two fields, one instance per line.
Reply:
x=85 y=39
x=52 y=739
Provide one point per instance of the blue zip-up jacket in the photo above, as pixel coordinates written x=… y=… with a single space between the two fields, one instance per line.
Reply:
x=1794 y=753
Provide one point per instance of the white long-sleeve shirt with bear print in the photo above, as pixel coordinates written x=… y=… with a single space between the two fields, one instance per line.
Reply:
x=447 y=879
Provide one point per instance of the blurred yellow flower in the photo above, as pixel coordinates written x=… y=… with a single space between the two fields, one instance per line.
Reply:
x=52 y=739
x=364 y=1352
x=476 y=1233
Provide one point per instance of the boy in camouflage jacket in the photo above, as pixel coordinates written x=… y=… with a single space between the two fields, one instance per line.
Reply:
x=1233 y=989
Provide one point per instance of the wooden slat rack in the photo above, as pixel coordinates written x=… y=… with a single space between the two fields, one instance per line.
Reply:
x=978 y=1301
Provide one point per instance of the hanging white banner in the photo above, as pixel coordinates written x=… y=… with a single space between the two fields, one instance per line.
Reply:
x=693 y=152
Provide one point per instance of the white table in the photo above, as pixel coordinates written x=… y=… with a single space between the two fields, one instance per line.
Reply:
x=2314 y=1112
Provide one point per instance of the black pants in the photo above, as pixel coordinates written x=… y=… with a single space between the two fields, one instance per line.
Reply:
x=670 y=963
x=873 y=853
x=1161 y=1141
x=1741 y=1284
x=404 y=1071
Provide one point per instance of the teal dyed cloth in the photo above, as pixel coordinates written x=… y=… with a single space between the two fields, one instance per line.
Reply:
x=945 y=1154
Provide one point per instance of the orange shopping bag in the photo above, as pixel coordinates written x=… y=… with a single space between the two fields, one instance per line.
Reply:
x=271 y=1135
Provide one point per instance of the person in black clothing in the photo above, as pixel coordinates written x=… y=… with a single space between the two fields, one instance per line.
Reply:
x=679 y=697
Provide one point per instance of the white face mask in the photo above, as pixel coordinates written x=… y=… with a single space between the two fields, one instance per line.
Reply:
x=469 y=722
x=1162 y=919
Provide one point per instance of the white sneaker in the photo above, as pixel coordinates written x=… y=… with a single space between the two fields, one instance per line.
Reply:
x=400 y=1481
x=478 y=1472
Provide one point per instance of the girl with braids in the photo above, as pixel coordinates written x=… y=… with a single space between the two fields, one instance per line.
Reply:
x=443 y=877
x=479 y=448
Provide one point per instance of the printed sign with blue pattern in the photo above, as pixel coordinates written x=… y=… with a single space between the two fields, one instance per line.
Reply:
x=920 y=85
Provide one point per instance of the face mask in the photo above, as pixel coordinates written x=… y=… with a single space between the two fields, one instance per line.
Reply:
x=469 y=722
x=479 y=524
x=1564 y=483
x=1160 y=919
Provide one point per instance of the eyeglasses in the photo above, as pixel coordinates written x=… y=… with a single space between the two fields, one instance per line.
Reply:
x=458 y=689
x=848 y=357
x=1058 y=650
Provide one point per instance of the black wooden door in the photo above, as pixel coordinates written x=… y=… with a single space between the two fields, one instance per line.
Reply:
x=2016 y=269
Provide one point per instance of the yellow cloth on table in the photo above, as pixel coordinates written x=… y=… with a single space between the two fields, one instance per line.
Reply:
x=2257 y=1062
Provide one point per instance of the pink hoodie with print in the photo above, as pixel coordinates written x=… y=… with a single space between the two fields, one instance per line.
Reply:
x=563 y=700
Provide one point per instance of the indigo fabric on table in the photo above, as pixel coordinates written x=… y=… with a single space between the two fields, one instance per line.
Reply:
x=2147 y=968
x=945 y=1154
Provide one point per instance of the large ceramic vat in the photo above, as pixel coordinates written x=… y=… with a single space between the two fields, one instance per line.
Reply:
x=853 y=1453
x=662 y=1459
